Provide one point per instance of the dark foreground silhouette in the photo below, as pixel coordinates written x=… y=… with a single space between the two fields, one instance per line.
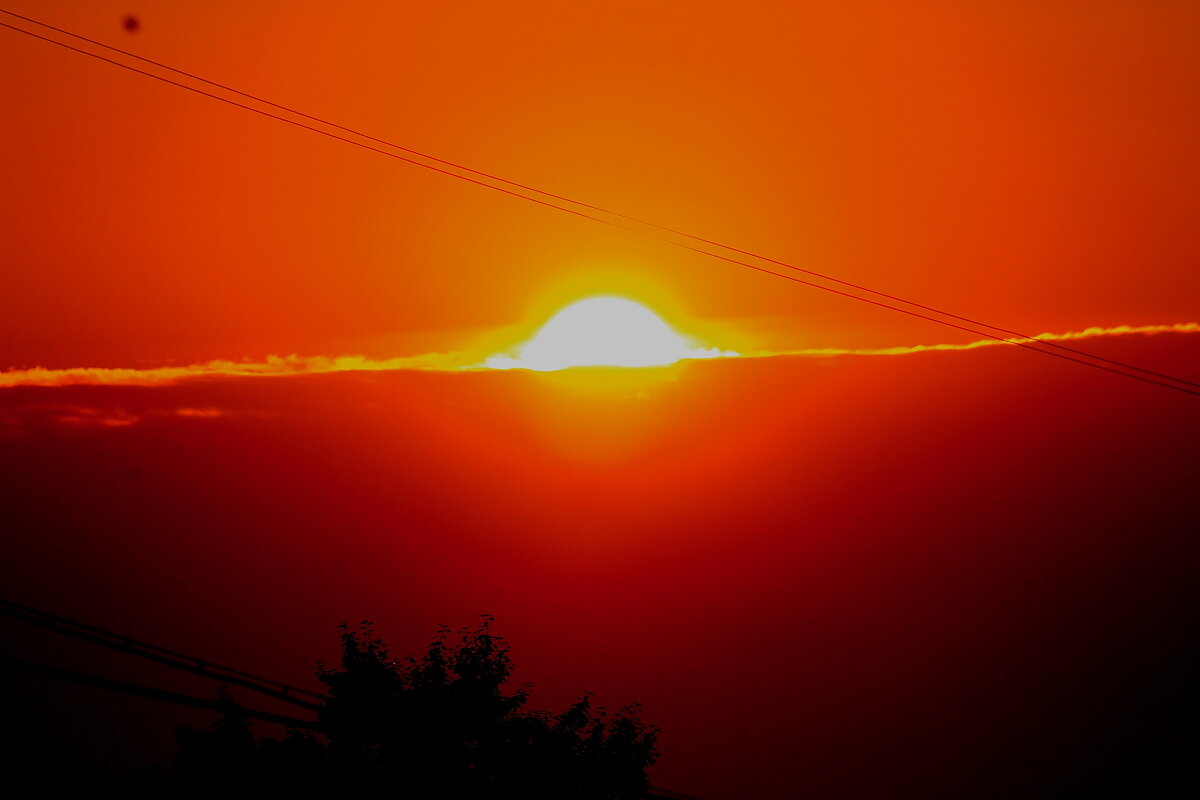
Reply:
x=438 y=726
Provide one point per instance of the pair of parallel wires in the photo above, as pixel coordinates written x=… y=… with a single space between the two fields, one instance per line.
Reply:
x=65 y=626
x=672 y=236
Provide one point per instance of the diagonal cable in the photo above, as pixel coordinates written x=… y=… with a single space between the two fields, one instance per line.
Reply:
x=1013 y=337
x=123 y=644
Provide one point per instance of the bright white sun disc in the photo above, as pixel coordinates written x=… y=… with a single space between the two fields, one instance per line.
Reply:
x=602 y=331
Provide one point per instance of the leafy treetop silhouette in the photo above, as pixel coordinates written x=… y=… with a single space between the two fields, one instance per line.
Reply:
x=441 y=725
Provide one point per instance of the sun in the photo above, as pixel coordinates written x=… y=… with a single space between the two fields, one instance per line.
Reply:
x=604 y=331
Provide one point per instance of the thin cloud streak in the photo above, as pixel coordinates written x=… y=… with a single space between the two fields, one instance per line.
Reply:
x=78 y=415
x=1087 y=333
x=280 y=366
x=271 y=366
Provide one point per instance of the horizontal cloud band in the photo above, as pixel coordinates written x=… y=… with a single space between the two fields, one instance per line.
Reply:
x=446 y=362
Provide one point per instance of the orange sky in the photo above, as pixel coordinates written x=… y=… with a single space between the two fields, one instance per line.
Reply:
x=1030 y=164
x=953 y=562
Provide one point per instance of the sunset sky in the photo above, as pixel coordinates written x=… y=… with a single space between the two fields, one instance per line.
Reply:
x=874 y=560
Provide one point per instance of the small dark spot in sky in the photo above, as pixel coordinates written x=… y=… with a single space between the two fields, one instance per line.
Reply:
x=131 y=23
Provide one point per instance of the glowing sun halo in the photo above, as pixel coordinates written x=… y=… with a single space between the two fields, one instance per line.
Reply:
x=602 y=331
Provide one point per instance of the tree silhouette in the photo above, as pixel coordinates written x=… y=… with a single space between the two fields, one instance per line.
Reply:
x=441 y=725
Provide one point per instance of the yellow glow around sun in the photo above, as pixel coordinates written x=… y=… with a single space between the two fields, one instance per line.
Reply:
x=603 y=332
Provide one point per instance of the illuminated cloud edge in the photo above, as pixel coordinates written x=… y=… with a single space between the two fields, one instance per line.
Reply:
x=278 y=366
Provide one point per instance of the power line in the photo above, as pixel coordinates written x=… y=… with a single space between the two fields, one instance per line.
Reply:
x=138 y=690
x=1029 y=342
x=69 y=627
x=95 y=681
x=197 y=666
x=581 y=204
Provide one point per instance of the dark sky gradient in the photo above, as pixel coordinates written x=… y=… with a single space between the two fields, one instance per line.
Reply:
x=938 y=575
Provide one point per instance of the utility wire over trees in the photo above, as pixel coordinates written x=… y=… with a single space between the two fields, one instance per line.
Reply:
x=672 y=236
x=442 y=725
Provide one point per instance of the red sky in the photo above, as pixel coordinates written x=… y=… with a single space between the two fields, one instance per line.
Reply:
x=934 y=574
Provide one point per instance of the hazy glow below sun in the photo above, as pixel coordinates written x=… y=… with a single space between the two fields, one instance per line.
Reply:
x=602 y=332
